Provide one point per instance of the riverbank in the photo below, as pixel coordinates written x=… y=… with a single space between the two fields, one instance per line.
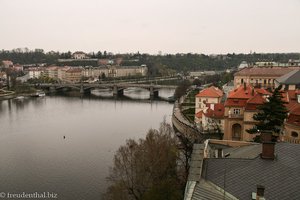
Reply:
x=6 y=94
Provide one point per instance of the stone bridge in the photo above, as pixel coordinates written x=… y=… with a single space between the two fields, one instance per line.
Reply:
x=117 y=88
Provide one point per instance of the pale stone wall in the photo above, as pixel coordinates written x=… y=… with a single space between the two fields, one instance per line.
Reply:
x=248 y=116
x=200 y=105
x=264 y=81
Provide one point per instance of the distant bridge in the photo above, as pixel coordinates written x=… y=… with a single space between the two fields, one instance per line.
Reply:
x=117 y=88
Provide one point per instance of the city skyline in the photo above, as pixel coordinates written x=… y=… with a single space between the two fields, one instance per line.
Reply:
x=209 y=27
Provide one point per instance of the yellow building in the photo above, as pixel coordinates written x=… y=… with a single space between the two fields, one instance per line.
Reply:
x=260 y=76
x=240 y=107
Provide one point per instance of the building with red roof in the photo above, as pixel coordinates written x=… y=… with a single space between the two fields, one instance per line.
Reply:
x=242 y=103
x=292 y=125
x=207 y=96
x=213 y=117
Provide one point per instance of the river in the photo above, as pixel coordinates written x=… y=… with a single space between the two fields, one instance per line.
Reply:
x=35 y=157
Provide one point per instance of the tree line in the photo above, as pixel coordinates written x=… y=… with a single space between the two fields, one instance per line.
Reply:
x=157 y=64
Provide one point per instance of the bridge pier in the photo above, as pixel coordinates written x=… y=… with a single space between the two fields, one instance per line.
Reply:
x=81 y=89
x=153 y=92
x=118 y=91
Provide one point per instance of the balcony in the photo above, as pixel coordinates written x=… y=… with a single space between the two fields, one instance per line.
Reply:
x=291 y=140
x=239 y=116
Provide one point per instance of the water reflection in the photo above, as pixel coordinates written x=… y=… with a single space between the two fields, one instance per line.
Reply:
x=35 y=157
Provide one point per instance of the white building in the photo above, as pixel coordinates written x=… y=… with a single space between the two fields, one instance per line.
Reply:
x=35 y=72
x=79 y=55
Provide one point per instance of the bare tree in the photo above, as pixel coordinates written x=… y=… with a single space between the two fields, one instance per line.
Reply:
x=147 y=168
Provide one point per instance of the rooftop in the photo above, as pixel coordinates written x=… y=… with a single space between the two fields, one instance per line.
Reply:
x=242 y=170
x=210 y=92
x=280 y=176
x=242 y=92
x=265 y=71
x=291 y=78
x=216 y=112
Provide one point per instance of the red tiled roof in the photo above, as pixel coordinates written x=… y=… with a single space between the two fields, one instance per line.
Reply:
x=265 y=71
x=255 y=101
x=292 y=94
x=262 y=91
x=210 y=92
x=296 y=110
x=242 y=92
x=217 y=112
x=199 y=114
x=52 y=68
x=294 y=116
x=74 y=70
x=236 y=102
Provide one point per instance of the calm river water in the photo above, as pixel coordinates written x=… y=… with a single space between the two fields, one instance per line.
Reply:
x=34 y=157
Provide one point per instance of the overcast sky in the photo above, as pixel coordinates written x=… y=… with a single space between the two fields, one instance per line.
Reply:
x=150 y=26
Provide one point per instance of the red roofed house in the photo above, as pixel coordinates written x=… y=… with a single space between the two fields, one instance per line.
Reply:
x=291 y=95
x=211 y=95
x=240 y=107
x=213 y=118
x=292 y=125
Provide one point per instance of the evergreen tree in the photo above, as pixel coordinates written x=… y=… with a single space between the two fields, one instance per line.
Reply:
x=271 y=114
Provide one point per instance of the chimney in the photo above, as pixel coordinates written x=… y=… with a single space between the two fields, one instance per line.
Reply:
x=266 y=136
x=268 y=147
x=260 y=190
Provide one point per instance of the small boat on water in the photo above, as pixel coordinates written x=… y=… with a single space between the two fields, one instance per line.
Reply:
x=38 y=94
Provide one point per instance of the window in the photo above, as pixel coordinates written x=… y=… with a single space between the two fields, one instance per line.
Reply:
x=236 y=111
x=242 y=80
x=294 y=134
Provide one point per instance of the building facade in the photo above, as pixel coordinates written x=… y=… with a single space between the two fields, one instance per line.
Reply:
x=204 y=100
x=263 y=77
x=240 y=106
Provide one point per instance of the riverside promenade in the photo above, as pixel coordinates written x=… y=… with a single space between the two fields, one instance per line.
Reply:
x=184 y=126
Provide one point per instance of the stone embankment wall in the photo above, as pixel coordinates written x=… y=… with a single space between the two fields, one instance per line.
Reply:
x=183 y=126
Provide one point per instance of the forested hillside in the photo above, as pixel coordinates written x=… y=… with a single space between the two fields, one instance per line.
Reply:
x=177 y=62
